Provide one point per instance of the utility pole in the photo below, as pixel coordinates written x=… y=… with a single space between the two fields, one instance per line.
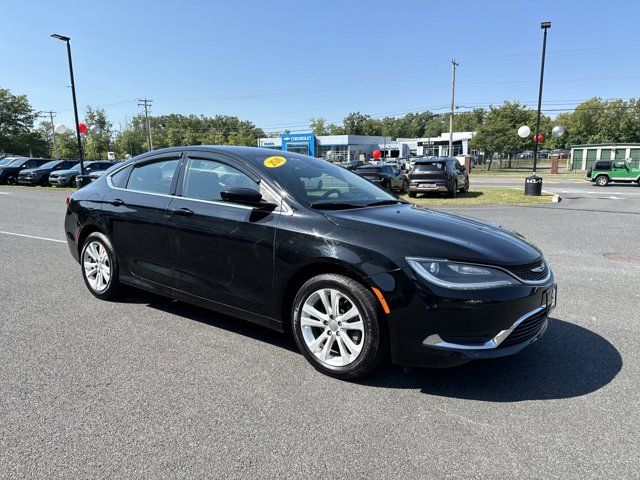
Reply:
x=53 y=134
x=454 y=65
x=146 y=103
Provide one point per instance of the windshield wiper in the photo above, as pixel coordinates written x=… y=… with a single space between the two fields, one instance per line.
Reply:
x=334 y=205
x=384 y=202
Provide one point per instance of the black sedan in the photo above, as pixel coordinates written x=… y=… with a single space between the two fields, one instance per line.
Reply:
x=9 y=172
x=297 y=244
x=388 y=177
x=67 y=178
x=40 y=175
x=438 y=174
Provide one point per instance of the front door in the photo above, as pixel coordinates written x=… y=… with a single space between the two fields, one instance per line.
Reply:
x=223 y=251
x=136 y=216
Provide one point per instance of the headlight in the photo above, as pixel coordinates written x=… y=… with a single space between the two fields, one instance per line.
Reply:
x=460 y=276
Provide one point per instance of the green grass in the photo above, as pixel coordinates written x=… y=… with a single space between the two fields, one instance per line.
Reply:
x=486 y=196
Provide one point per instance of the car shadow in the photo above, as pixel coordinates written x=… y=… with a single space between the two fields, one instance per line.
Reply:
x=568 y=361
x=209 y=317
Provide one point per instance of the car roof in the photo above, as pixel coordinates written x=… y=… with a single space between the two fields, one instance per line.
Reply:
x=434 y=159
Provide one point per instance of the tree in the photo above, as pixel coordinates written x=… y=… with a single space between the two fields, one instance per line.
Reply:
x=318 y=126
x=17 y=133
x=499 y=130
x=469 y=121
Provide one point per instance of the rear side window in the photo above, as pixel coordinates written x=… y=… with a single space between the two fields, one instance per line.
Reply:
x=205 y=179
x=153 y=177
x=603 y=166
x=430 y=167
x=119 y=179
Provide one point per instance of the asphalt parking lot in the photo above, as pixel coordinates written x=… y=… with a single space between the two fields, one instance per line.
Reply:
x=154 y=388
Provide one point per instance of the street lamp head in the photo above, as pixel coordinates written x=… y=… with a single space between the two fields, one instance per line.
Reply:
x=61 y=37
x=545 y=25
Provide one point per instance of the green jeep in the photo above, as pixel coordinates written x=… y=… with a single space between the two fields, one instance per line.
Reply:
x=605 y=171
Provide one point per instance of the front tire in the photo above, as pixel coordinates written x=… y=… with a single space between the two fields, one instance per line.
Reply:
x=602 y=181
x=337 y=325
x=100 y=267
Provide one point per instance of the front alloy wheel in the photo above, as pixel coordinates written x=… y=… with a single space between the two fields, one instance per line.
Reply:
x=602 y=181
x=337 y=326
x=332 y=327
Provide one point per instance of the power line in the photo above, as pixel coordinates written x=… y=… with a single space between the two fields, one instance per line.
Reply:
x=454 y=65
x=53 y=133
x=146 y=103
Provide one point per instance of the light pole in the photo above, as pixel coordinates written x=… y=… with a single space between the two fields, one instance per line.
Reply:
x=75 y=104
x=533 y=185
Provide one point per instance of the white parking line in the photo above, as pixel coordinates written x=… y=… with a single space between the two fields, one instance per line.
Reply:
x=33 y=236
x=5 y=193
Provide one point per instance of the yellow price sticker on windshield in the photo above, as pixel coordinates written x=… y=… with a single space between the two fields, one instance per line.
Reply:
x=274 y=162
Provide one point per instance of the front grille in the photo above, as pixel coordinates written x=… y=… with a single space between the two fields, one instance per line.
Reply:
x=524 y=272
x=528 y=329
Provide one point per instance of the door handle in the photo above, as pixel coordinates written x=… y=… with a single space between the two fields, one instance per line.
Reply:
x=117 y=202
x=185 y=212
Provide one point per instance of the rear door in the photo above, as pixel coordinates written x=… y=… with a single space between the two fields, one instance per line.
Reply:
x=224 y=252
x=135 y=210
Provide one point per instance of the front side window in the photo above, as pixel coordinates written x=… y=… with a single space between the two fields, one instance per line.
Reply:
x=205 y=179
x=153 y=177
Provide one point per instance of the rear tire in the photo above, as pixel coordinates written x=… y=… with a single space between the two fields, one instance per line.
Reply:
x=453 y=193
x=412 y=194
x=602 y=180
x=465 y=189
x=11 y=180
x=338 y=326
x=100 y=267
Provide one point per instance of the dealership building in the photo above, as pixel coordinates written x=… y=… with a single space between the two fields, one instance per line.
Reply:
x=340 y=148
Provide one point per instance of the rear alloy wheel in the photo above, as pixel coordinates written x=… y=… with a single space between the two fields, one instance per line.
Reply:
x=336 y=326
x=99 y=267
x=465 y=189
x=11 y=180
x=602 y=181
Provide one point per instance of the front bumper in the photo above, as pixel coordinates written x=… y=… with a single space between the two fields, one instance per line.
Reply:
x=431 y=326
x=26 y=181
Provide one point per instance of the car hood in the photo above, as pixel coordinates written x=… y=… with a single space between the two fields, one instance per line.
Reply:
x=64 y=172
x=32 y=170
x=428 y=233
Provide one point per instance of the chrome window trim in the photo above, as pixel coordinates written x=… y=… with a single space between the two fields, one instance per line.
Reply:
x=279 y=210
x=436 y=341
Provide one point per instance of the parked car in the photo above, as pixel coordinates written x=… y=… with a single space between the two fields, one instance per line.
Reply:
x=525 y=154
x=400 y=163
x=438 y=174
x=353 y=273
x=67 y=178
x=560 y=153
x=386 y=176
x=352 y=165
x=8 y=159
x=9 y=173
x=544 y=153
x=40 y=175
x=605 y=171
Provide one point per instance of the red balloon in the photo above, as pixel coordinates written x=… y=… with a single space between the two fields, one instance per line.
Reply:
x=82 y=127
x=540 y=138
x=377 y=154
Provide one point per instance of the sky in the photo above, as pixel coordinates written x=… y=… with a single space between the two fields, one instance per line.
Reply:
x=279 y=63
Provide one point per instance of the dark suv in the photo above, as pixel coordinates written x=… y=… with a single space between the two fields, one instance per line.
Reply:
x=40 y=175
x=438 y=174
x=9 y=173
x=387 y=176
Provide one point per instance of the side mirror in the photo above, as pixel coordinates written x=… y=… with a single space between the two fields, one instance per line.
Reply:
x=246 y=196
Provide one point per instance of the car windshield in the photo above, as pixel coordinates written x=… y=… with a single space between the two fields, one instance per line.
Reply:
x=49 y=164
x=76 y=167
x=429 y=167
x=320 y=184
x=17 y=163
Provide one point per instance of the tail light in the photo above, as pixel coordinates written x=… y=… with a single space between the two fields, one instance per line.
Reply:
x=68 y=199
